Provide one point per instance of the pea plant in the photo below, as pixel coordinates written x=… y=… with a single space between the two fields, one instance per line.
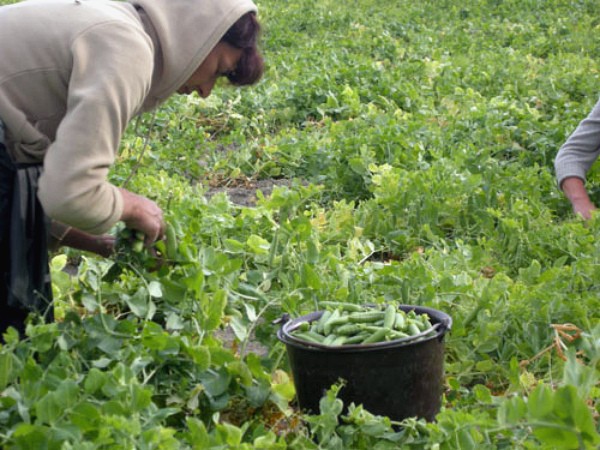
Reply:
x=394 y=153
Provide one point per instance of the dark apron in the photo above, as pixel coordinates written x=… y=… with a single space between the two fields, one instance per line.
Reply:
x=24 y=273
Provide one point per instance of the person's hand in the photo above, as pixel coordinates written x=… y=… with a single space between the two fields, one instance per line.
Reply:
x=583 y=208
x=574 y=189
x=142 y=214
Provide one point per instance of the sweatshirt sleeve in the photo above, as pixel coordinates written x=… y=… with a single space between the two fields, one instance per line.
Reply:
x=580 y=151
x=111 y=76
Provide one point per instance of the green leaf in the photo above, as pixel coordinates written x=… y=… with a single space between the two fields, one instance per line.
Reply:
x=85 y=416
x=58 y=263
x=215 y=308
x=174 y=321
x=465 y=439
x=258 y=245
x=48 y=409
x=311 y=278
x=239 y=328
x=555 y=437
x=512 y=410
x=250 y=312
x=482 y=393
x=241 y=372
x=68 y=393
x=173 y=292
x=229 y=434
x=198 y=436
x=258 y=371
x=234 y=246
x=486 y=365
x=285 y=390
x=312 y=251
x=195 y=281
x=216 y=382
x=575 y=412
x=269 y=441
x=141 y=398
x=138 y=303
x=220 y=355
x=257 y=394
x=582 y=376
x=29 y=436
x=565 y=403
x=110 y=345
x=201 y=356
x=155 y=289
x=541 y=402
x=6 y=369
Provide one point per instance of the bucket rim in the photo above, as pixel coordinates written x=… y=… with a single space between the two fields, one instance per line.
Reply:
x=438 y=318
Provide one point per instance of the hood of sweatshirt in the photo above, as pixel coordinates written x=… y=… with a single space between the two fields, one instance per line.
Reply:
x=184 y=32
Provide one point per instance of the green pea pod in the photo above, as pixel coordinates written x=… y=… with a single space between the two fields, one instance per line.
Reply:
x=316 y=336
x=308 y=337
x=342 y=320
x=303 y=326
x=329 y=339
x=171 y=242
x=390 y=317
x=400 y=323
x=398 y=334
x=138 y=246
x=424 y=323
x=340 y=340
x=413 y=328
x=348 y=329
x=161 y=247
x=378 y=336
x=327 y=325
x=357 y=339
x=371 y=328
x=367 y=316
x=322 y=320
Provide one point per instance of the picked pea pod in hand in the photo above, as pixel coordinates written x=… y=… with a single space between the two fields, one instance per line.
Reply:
x=131 y=252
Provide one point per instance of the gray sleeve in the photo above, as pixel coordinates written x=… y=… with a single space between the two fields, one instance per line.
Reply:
x=581 y=149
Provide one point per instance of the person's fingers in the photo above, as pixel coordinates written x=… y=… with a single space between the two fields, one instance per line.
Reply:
x=157 y=229
x=143 y=214
x=158 y=223
x=163 y=230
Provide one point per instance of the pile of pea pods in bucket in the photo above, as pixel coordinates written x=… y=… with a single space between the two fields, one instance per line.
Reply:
x=348 y=323
x=390 y=357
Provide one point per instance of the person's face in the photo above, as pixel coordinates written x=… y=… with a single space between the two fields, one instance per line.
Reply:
x=220 y=61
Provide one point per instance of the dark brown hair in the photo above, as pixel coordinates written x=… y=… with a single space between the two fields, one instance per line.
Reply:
x=244 y=35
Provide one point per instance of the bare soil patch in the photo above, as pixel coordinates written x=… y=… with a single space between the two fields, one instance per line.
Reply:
x=243 y=193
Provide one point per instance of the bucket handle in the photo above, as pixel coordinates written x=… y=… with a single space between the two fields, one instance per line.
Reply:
x=285 y=318
x=445 y=325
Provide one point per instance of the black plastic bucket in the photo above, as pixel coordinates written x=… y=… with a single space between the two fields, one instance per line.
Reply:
x=393 y=379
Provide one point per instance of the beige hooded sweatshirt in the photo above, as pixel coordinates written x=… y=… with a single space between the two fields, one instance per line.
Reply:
x=73 y=73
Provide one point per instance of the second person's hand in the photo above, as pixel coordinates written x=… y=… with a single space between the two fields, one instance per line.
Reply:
x=575 y=191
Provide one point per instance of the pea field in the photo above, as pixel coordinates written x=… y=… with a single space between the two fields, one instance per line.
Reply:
x=395 y=152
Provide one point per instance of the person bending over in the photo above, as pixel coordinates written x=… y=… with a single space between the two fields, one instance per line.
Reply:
x=574 y=160
x=73 y=75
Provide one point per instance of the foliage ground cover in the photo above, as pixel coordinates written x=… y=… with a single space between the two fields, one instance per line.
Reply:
x=417 y=141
